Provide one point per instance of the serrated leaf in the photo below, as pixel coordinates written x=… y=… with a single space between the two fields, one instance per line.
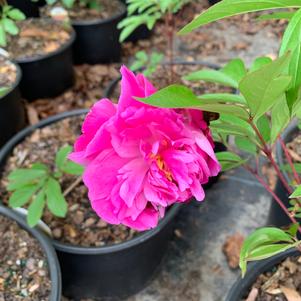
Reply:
x=55 y=199
x=35 y=209
x=10 y=26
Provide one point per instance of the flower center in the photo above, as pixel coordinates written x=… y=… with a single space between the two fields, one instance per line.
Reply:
x=161 y=164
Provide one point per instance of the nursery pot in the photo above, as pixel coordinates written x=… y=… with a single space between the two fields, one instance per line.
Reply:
x=97 y=41
x=212 y=2
x=242 y=286
x=12 y=111
x=277 y=216
x=110 y=271
x=28 y=7
x=46 y=246
x=48 y=75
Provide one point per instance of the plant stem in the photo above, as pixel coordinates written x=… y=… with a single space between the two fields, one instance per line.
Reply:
x=269 y=155
x=273 y=194
x=169 y=23
x=72 y=186
x=289 y=160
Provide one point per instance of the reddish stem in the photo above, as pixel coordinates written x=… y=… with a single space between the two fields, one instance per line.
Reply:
x=290 y=161
x=273 y=194
x=269 y=155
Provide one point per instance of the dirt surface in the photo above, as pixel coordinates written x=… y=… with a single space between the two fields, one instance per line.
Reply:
x=37 y=37
x=81 y=226
x=24 y=272
x=80 y=12
x=8 y=73
x=283 y=283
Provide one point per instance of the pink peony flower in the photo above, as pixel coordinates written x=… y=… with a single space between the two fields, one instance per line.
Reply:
x=141 y=159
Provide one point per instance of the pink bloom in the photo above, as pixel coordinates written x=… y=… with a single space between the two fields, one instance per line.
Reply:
x=141 y=159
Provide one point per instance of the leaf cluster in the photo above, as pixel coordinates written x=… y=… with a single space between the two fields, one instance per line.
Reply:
x=92 y=4
x=147 y=63
x=141 y=12
x=39 y=186
x=9 y=16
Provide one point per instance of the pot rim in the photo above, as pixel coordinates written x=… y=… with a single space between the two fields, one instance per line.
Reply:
x=68 y=248
x=44 y=242
x=242 y=285
x=286 y=136
x=61 y=49
x=16 y=82
x=101 y=21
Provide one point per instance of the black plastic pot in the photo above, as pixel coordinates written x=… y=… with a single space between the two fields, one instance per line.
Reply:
x=276 y=215
x=49 y=75
x=28 y=7
x=212 y=2
x=12 y=111
x=241 y=288
x=97 y=41
x=45 y=243
x=111 y=271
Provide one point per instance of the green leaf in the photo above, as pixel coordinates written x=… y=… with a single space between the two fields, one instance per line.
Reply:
x=263 y=125
x=55 y=199
x=268 y=251
x=2 y=35
x=16 y=14
x=212 y=76
x=61 y=156
x=21 y=196
x=222 y=97
x=229 y=160
x=293 y=230
x=261 y=237
x=3 y=91
x=72 y=168
x=179 y=96
x=10 y=26
x=235 y=69
x=23 y=177
x=35 y=210
x=246 y=145
x=291 y=37
x=277 y=16
x=296 y=193
x=280 y=117
x=291 y=41
x=259 y=62
x=263 y=87
x=228 y=8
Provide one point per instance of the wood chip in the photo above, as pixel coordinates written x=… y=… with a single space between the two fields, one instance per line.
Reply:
x=290 y=294
x=253 y=294
x=231 y=249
